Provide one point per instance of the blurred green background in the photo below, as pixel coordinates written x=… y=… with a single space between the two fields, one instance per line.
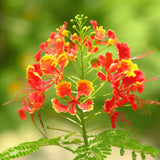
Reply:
x=24 y=24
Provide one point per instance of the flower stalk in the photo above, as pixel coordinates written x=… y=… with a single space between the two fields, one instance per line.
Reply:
x=84 y=131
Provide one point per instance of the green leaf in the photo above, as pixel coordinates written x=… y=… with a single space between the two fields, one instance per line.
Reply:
x=134 y=156
x=122 y=151
x=133 y=144
x=97 y=153
x=72 y=141
x=26 y=148
x=143 y=156
x=150 y=150
x=98 y=149
x=120 y=138
x=54 y=141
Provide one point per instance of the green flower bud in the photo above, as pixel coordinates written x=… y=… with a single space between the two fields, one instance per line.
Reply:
x=74 y=27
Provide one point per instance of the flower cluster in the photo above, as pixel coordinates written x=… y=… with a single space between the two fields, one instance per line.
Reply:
x=52 y=58
x=64 y=48
x=125 y=79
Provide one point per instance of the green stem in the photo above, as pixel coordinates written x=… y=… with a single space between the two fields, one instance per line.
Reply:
x=80 y=114
x=82 y=63
x=85 y=137
x=67 y=148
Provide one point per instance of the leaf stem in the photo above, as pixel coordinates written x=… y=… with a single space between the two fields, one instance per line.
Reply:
x=73 y=121
x=63 y=130
x=107 y=125
x=67 y=148
x=58 y=129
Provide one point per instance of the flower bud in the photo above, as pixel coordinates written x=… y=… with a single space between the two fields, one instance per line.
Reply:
x=74 y=27
x=77 y=16
x=92 y=33
x=72 y=20
x=84 y=28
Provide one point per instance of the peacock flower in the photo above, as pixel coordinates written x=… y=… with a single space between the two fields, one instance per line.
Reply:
x=91 y=48
x=108 y=64
x=101 y=36
x=109 y=107
x=100 y=33
x=34 y=79
x=71 y=50
x=128 y=67
x=112 y=38
x=84 y=87
x=54 y=45
x=48 y=64
x=33 y=102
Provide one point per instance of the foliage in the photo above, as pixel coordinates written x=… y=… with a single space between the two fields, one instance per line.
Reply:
x=98 y=149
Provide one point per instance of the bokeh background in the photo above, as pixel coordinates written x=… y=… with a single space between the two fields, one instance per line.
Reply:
x=24 y=24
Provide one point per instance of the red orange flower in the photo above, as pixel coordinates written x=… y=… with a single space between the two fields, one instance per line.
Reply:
x=100 y=35
x=57 y=45
x=125 y=79
x=33 y=102
x=63 y=89
x=34 y=80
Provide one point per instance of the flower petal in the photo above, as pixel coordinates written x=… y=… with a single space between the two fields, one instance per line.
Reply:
x=111 y=34
x=62 y=61
x=63 y=89
x=124 y=51
x=94 y=24
x=114 y=118
x=22 y=114
x=58 y=107
x=87 y=106
x=36 y=99
x=84 y=87
x=108 y=106
x=101 y=76
x=72 y=110
x=48 y=64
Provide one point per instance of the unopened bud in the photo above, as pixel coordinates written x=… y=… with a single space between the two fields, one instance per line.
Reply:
x=72 y=20
x=82 y=15
x=85 y=17
x=84 y=28
x=77 y=16
x=93 y=34
x=74 y=27
x=89 y=27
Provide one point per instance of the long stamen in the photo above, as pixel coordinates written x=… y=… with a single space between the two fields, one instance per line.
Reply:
x=39 y=116
x=32 y=118
x=143 y=54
